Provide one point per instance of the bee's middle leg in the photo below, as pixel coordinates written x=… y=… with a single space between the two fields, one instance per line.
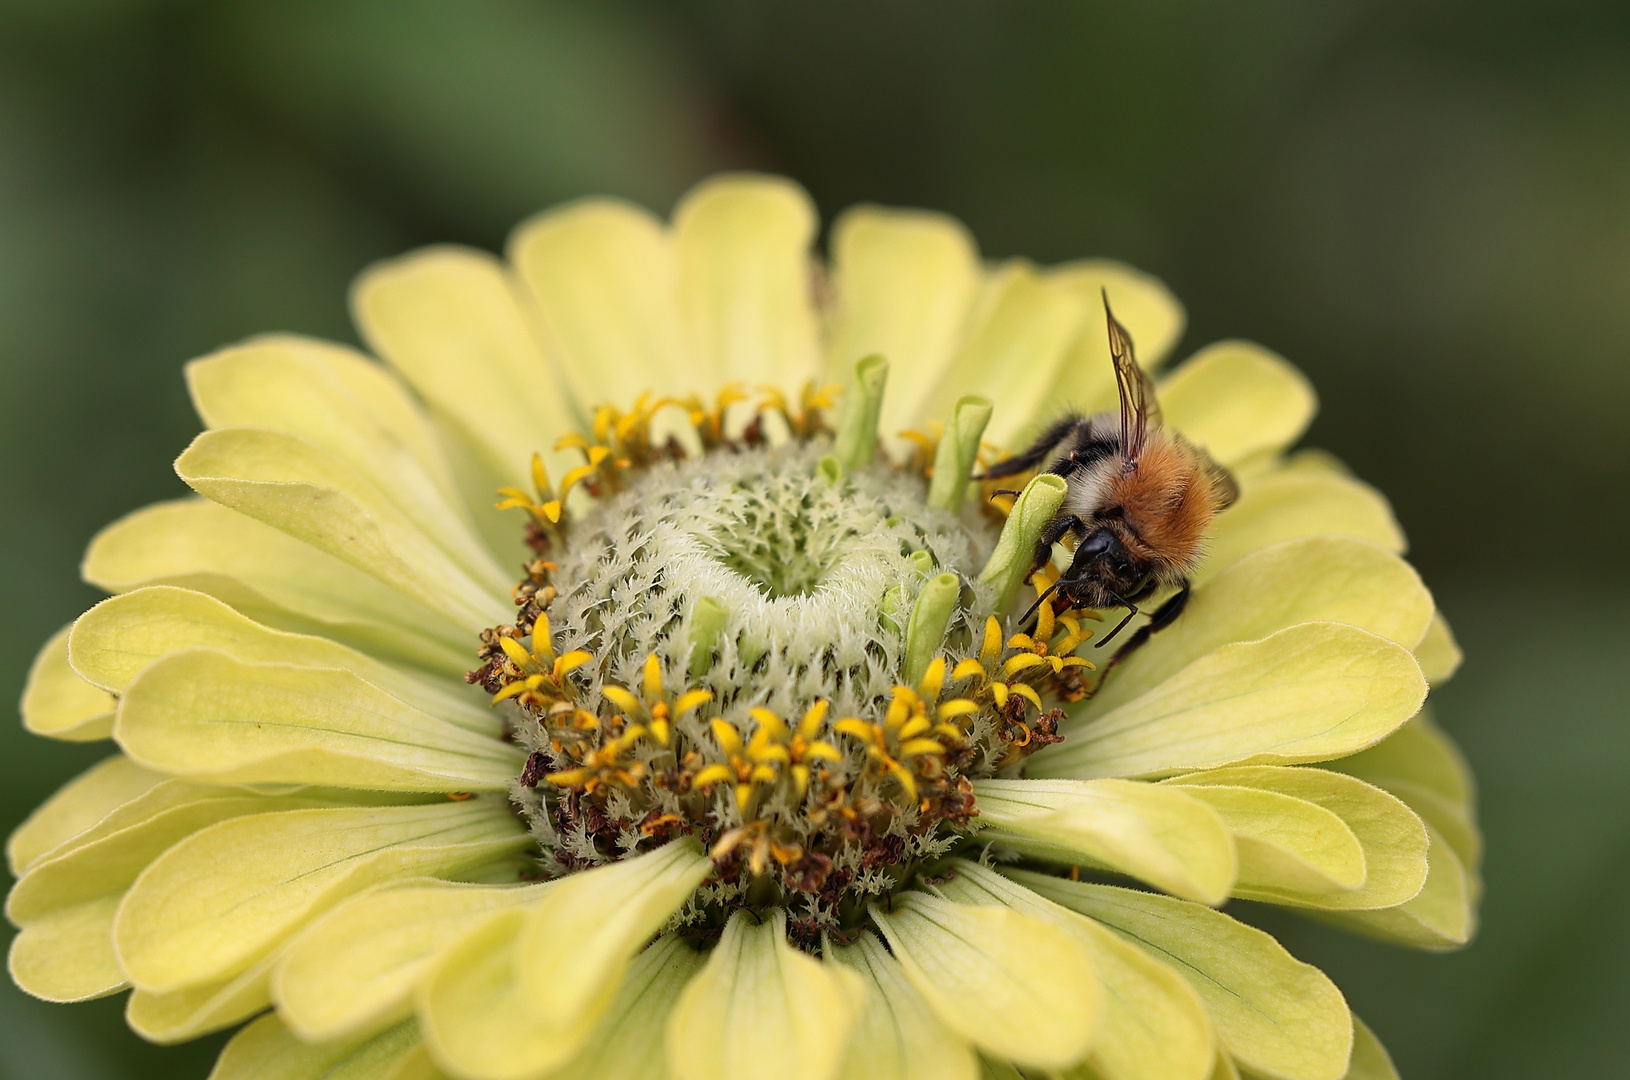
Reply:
x=1163 y=617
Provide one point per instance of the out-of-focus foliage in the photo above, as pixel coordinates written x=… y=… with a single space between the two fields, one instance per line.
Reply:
x=1426 y=206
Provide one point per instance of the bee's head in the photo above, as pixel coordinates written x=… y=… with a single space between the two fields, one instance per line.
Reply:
x=1107 y=570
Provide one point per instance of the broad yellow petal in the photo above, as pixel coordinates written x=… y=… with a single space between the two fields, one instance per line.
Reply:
x=354 y=970
x=77 y=806
x=628 y=1042
x=1179 y=845
x=1370 y=1059
x=1277 y=1016
x=604 y=278
x=107 y=857
x=1154 y=1026
x=67 y=955
x=116 y=639
x=1311 y=692
x=219 y=901
x=903 y=281
x=1292 y=502
x=1237 y=400
x=273 y=578
x=580 y=936
x=897 y=1036
x=1392 y=836
x=198 y=1010
x=451 y=321
x=317 y=497
x=1419 y=753
x=745 y=286
x=1313 y=579
x=1022 y=326
x=335 y=398
x=1438 y=652
x=982 y=970
x=1286 y=842
x=477 y=1020
x=1440 y=916
x=268 y=1050
x=200 y=713
x=762 y=1008
x=58 y=703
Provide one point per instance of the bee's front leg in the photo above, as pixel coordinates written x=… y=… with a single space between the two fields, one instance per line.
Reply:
x=1052 y=534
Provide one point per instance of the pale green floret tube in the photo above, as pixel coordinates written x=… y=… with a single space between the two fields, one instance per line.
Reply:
x=957 y=453
x=1010 y=563
x=856 y=442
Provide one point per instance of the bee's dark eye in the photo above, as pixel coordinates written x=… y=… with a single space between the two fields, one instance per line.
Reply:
x=1097 y=544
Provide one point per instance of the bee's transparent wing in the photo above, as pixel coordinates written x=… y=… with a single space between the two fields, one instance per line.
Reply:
x=1139 y=409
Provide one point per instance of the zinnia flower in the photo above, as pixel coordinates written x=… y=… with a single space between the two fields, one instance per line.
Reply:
x=719 y=748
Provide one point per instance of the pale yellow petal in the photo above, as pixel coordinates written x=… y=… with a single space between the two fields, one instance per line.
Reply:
x=1392 y=836
x=451 y=322
x=1290 y=502
x=273 y=578
x=745 y=284
x=761 y=1008
x=181 y=1015
x=628 y=1043
x=897 y=1036
x=1154 y=1027
x=1370 y=1059
x=202 y=714
x=1142 y=303
x=354 y=970
x=60 y=704
x=222 y=899
x=1179 y=845
x=1441 y=916
x=68 y=955
x=317 y=497
x=580 y=935
x=107 y=857
x=77 y=806
x=1438 y=651
x=603 y=275
x=1311 y=692
x=1022 y=326
x=903 y=281
x=1423 y=767
x=115 y=640
x=338 y=399
x=982 y=970
x=1320 y=578
x=1276 y=1015
x=1237 y=400
x=268 y=1050
x=477 y=1022
x=1286 y=842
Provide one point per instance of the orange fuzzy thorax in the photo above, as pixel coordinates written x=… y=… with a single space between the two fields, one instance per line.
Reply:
x=1168 y=502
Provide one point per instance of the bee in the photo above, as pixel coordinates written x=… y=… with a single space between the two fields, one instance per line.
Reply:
x=1139 y=500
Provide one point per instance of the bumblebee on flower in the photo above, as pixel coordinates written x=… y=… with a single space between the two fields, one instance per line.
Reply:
x=770 y=773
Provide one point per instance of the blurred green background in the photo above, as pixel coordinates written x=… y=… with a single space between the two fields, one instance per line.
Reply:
x=1424 y=205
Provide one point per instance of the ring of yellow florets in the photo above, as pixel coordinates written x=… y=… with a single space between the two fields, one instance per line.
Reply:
x=817 y=793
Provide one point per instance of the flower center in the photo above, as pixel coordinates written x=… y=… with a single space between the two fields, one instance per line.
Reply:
x=759 y=647
x=760 y=577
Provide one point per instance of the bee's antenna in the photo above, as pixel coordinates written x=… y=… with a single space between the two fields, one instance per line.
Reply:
x=1032 y=609
x=1005 y=491
x=1131 y=612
